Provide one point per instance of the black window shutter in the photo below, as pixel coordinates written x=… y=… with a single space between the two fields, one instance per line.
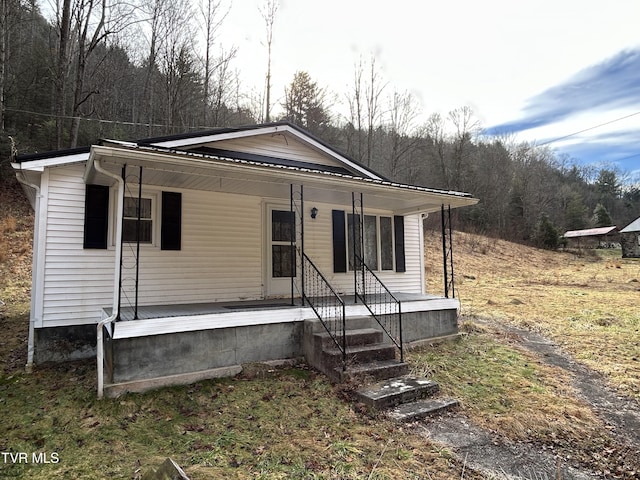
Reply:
x=171 y=229
x=398 y=227
x=96 y=216
x=339 y=242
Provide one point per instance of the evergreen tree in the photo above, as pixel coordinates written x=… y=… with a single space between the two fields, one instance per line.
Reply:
x=546 y=235
x=601 y=217
x=576 y=213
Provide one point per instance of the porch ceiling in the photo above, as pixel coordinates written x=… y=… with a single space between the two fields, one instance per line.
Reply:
x=201 y=172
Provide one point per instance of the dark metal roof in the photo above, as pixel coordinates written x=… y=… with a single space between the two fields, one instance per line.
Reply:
x=183 y=136
x=30 y=157
x=218 y=131
x=219 y=152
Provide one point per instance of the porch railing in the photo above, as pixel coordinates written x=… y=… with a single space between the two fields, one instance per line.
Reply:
x=326 y=304
x=384 y=307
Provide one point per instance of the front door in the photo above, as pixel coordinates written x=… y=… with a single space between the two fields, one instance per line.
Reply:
x=281 y=256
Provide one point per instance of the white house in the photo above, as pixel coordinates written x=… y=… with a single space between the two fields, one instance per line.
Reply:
x=184 y=257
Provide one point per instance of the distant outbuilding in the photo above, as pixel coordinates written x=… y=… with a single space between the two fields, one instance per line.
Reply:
x=602 y=237
x=630 y=240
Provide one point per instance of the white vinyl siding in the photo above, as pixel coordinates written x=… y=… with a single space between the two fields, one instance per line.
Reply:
x=221 y=258
x=278 y=146
x=319 y=247
x=77 y=282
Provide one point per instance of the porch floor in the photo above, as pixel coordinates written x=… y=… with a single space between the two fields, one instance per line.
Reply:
x=148 y=312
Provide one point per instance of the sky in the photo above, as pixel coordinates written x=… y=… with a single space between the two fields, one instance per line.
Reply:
x=536 y=71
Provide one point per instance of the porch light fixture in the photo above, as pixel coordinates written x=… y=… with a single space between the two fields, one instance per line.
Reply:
x=314 y=212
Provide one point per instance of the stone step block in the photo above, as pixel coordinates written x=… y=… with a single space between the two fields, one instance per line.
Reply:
x=412 y=411
x=396 y=391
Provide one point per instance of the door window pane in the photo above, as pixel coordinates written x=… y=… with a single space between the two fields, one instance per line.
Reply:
x=283 y=228
x=282 y=258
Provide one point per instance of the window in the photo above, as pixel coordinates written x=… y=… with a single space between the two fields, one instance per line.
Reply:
x=378 y=241
x=97 y=219
x=383 y=241
x=386 y=243
x=130 y=220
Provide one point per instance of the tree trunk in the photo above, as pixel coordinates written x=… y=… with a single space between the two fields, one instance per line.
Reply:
x=61 y=73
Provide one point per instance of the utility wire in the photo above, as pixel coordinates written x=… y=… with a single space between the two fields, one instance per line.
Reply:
x=587 y=129
x=115 y=122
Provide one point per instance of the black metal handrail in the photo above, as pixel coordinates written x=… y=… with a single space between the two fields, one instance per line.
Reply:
x=327 y=304
x=384 y=307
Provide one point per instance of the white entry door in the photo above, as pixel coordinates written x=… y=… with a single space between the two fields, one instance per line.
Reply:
x=281 y=256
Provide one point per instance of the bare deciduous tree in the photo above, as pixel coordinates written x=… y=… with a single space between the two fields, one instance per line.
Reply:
x=268 y=13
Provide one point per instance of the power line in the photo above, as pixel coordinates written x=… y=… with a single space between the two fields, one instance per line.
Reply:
x=587 y=129
x=114 y=122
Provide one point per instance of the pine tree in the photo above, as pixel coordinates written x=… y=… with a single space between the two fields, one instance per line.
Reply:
x=601 y=217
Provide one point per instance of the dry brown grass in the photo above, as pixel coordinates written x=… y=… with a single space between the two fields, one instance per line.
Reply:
x=588 y=304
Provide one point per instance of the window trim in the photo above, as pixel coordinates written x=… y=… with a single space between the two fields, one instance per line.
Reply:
x=379 y=261
x=155 y=221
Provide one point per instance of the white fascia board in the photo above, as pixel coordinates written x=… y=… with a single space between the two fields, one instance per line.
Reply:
x=215 y=137
x=40 y=165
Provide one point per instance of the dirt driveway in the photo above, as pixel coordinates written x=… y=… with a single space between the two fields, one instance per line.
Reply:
x=500 y=458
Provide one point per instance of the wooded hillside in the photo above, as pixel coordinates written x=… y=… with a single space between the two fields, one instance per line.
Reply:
x=138 y=69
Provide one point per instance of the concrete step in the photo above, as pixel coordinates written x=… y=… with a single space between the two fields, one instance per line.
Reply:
x=376 y=370
x=361 y=336
x=359 y=354
x=352 y=323
x=422 y=408
x=396 y=391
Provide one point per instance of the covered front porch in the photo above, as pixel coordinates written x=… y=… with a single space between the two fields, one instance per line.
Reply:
x=184 y=343
x=248 y=254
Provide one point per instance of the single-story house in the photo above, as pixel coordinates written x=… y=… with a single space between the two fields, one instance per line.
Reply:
x=183 y=257
x=630 y=240
x=601 y=237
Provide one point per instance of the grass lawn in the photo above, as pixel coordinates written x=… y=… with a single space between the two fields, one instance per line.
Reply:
x=292 y=423
x=588 y=303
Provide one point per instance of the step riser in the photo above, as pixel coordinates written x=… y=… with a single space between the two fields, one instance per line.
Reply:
x=375 y=374
x=334 y=357
x=352 y=338
x=351 y=323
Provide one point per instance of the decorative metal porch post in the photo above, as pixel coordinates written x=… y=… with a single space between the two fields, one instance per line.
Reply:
x=357 y=229
x=299 y=209
x=447 y=252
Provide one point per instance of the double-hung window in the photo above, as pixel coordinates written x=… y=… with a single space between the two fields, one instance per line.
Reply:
x=130 y=227
x=377 y=241
x=164 y=229
x=380 y=236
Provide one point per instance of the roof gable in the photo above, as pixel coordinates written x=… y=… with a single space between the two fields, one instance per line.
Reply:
x=632 y=227
x=278 y=141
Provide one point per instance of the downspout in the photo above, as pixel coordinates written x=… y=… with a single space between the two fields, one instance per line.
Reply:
x=36 y=240
x=116 y=284
x=423 y=263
